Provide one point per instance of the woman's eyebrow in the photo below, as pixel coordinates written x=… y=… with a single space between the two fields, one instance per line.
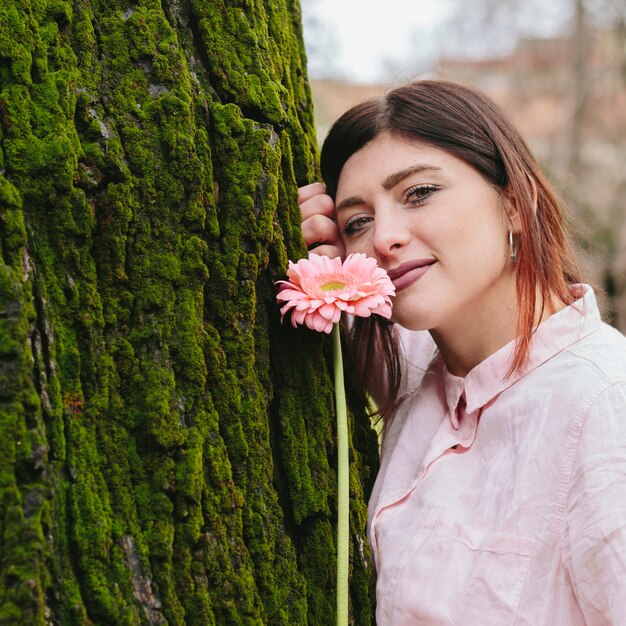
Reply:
x=393 y=179
x=348 y=202
x=389 y=183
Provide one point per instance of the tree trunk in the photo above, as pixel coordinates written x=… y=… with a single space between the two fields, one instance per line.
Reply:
x=166 y=445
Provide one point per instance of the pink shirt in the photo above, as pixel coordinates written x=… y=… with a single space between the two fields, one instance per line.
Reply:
x=502 y=502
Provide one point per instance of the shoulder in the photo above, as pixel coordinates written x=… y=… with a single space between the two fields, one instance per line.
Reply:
x=602 y=353
x=590 y=372
x=597 y=366
x=601 y=349
x=578 y=388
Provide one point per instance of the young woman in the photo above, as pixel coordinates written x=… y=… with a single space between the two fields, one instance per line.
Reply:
x=501 y=496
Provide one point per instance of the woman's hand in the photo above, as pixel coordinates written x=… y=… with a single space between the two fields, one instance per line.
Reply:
x=319 y=228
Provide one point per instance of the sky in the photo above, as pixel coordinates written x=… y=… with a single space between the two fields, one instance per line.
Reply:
x=361 y=39
x=367 y=41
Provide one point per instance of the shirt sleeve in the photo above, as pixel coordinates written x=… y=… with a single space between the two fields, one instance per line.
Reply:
x=594 y=541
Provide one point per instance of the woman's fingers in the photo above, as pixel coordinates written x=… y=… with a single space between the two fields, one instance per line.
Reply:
x=321 y=236
x=317 y=204
x=308 y=191
x=319 y=228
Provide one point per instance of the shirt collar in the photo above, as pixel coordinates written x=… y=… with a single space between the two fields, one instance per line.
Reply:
x=561 y=330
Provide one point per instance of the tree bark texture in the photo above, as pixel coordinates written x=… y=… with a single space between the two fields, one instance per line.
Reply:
x=166 y=445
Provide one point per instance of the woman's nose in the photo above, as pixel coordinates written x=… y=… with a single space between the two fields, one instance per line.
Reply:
x=390 y=232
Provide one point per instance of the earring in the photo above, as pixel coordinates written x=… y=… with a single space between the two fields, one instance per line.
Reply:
x=512 y=250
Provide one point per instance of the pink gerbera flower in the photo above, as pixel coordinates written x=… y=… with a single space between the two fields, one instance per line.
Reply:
x=319 y=289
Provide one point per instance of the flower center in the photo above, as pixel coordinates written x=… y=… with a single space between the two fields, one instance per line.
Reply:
x=333 y=285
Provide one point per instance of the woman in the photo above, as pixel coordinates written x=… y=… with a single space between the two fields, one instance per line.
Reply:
x=501 y=496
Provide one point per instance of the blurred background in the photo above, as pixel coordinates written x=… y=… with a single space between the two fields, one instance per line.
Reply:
x=557 y=68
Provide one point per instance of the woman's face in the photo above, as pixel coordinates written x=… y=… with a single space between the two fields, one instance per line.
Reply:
x=436 y=225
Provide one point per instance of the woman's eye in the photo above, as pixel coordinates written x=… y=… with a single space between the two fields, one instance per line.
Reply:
x=419 y=194
x=355 y=224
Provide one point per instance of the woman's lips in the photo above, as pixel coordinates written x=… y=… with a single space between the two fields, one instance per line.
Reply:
x=408 y=273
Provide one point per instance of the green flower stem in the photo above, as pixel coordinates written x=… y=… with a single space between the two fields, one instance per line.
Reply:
x=343 y=502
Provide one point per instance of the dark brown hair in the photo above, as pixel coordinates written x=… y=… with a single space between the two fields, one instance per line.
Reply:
x=468 y=125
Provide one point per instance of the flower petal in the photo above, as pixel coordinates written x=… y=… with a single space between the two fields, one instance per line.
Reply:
x=320 y=288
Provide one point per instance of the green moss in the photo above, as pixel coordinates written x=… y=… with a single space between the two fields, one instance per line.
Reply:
x=12 y=232
x=163 y=433
x=22 y=445
x=238 y=59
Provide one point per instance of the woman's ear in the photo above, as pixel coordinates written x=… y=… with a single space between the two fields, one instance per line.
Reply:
x=514 y=222
x=512 y=210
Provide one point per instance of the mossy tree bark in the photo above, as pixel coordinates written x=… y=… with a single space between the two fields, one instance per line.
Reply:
x=166 y=446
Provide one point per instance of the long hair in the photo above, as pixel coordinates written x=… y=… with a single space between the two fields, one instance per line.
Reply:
x=468 y=125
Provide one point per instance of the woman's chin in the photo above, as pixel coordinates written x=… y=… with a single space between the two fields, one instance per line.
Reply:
x=410 y=322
